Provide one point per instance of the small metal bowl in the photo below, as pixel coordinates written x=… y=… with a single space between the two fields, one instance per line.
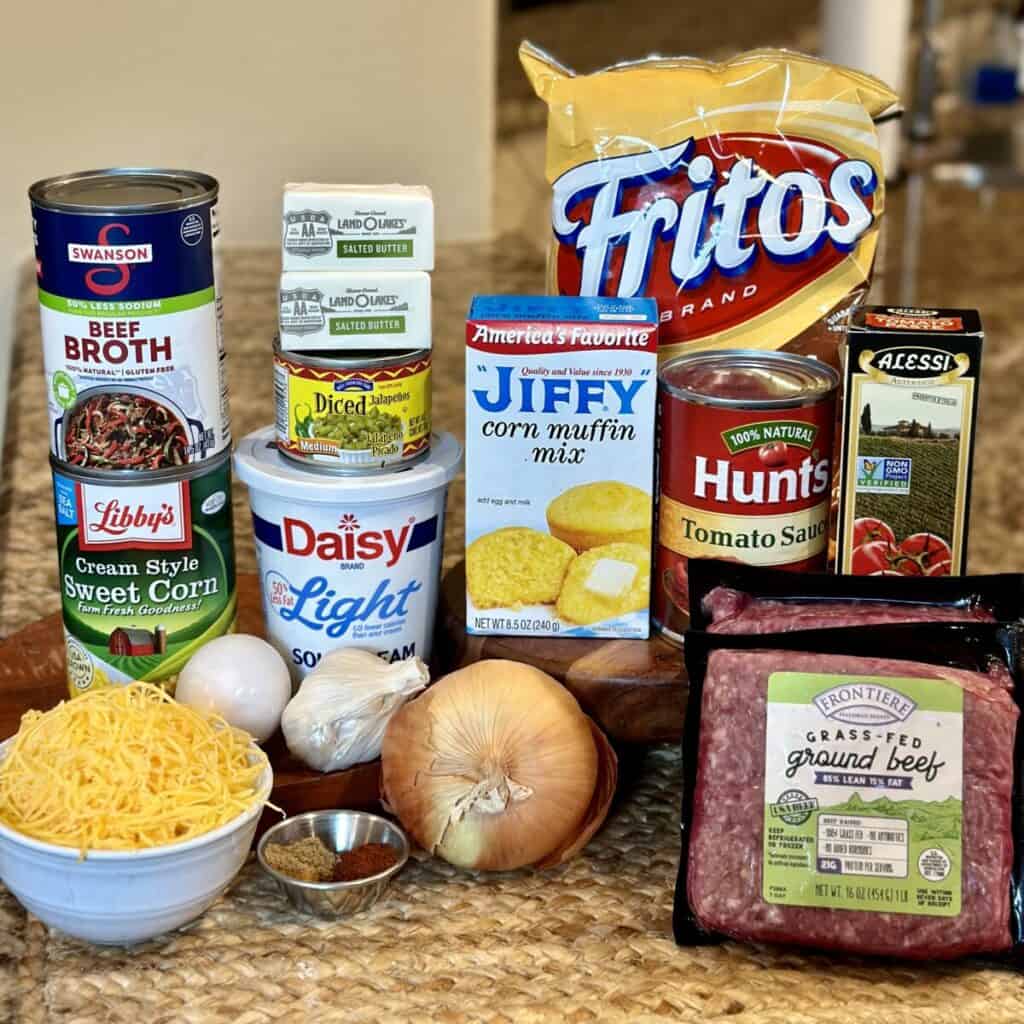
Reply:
x=338 y=831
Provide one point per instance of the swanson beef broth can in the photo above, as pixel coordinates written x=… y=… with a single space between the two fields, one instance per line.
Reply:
x=130 y=313
x=353 y=412
x=745 y=468
x=147 y=569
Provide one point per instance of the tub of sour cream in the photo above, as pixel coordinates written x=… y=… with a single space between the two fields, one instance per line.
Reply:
x=347 y=561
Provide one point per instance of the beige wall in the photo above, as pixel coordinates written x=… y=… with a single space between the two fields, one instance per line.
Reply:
x=256 y=93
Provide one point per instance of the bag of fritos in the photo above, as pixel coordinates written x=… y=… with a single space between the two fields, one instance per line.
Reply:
x=744 y=196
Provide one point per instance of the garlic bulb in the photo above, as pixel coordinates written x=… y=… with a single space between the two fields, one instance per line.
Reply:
x=496 y=767
x=338 y=717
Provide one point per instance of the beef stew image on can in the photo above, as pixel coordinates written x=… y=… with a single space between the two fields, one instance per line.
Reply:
x=130 y=317
x=745 y=468
x=147 y=569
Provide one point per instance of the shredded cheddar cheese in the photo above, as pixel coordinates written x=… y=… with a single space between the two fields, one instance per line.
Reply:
x=125 y=768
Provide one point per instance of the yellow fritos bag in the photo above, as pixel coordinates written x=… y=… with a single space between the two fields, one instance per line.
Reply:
x=744 y=196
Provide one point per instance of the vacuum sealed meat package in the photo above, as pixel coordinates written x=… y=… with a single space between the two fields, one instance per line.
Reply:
x=744 y=196
x=853 y=796
x=728 y=597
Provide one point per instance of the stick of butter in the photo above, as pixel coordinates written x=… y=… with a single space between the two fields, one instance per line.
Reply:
x=357 y=227
x=326 y=310
x=610 y=577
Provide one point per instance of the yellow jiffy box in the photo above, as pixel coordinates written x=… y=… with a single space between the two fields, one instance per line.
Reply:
x=560 y=397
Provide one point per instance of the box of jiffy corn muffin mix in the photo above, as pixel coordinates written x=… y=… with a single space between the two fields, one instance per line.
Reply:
x=560 y=399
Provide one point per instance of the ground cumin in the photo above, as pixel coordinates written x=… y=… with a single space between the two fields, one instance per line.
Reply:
x=307 y=860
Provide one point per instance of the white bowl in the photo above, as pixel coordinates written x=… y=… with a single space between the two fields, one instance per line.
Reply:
x=115 y=897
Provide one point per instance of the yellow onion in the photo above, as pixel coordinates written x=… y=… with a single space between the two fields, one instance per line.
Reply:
x=496 y=767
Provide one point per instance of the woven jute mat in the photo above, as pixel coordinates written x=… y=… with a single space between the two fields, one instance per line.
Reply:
x=588 y=941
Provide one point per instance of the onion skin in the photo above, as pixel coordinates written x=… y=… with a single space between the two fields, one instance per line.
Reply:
x=495 y=767
x=600 y=802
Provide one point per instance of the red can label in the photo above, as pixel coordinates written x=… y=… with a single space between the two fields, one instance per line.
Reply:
x=740 y=484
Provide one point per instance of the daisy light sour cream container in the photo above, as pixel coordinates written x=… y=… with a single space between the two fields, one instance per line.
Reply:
x=347 y=561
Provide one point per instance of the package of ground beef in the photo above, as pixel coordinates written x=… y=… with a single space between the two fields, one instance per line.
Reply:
x=727 y=597
x=853 y=795
x=745 y=196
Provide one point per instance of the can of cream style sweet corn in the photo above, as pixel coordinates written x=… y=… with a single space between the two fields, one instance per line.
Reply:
x=147 y=569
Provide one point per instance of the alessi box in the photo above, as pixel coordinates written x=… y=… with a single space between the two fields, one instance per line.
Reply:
x=130 y=317
x=560 y=396
x=147 y=569
x=745 y=467
x=911 y=405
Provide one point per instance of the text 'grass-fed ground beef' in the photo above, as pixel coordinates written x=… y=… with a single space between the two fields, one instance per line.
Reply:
x=859 y=804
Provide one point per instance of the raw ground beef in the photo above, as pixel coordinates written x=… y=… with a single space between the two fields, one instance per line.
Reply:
x=732 y=611
x=726 y=841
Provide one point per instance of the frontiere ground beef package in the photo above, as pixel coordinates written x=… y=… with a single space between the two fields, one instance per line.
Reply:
x=852 y=790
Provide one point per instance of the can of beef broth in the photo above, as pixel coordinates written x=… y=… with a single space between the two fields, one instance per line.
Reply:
x=353 y=412
x=147 y=569
x=745 y=467
x=130 y=315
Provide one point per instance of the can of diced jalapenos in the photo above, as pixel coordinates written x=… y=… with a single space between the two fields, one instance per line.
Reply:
x=147 y=569
x=353 y=412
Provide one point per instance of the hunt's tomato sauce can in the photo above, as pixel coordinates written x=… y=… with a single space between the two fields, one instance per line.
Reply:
x=745 y=468
x=130 y=316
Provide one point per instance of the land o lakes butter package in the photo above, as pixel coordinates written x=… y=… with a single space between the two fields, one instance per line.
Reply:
x=357 y=227
x=560 y=397
x=328 y=311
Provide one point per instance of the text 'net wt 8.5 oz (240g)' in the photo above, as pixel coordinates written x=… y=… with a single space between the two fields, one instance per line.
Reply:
x=744 y=196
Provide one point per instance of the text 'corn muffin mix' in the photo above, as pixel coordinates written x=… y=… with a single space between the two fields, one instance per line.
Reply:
x=560 y=397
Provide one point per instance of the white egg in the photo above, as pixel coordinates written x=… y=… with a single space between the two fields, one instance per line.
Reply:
x=240 y=677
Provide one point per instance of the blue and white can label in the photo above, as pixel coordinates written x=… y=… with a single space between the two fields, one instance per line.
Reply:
x=347 y=562
x=131 y=323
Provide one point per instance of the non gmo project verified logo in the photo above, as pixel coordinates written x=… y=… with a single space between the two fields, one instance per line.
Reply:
x=878 y=475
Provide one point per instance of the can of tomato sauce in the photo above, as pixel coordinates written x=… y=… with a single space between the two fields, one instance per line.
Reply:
x=745 y=467
x=353 y=412
x=131 y=320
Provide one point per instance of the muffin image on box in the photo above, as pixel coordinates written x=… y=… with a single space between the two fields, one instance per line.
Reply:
x=515 y=566
x=605 y=582
x=605 y=512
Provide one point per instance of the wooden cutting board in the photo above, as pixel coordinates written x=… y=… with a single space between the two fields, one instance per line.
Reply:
x=32 y=676
x=634 y=689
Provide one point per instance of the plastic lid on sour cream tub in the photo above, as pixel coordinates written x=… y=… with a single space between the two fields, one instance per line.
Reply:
x=260 y=466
